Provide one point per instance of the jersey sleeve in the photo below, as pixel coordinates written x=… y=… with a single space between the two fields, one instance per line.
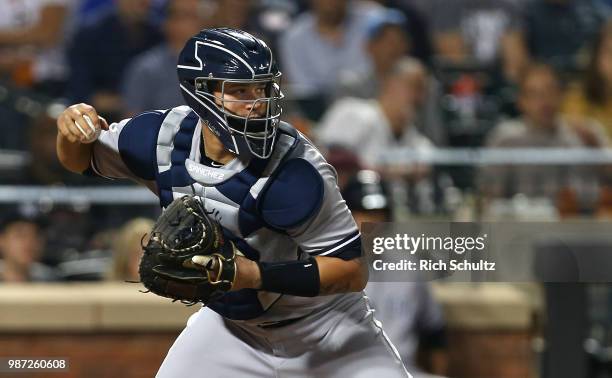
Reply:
x=128 y=148
x=331 y=231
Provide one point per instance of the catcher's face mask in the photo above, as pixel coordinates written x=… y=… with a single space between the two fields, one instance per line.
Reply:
x=211 y=64
x=251 y=109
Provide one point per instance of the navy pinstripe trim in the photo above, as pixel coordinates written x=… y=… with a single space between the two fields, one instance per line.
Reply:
x=351 y=242
x=93 y=170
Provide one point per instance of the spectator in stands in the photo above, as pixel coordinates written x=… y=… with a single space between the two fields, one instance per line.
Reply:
x=127 y=250
x=604 y=7
x=410 y=315
x=21 y=246
x=100 y=53
x=540 y=126
x=267 y=20
x=232 y=14
x=370 y=127
x=387 y=42
x=321 y=43
x=416 y=26
x=32 y=36
x=479 y=31
x=89 y=11
x=558 y=31
x=593 y=97
x=150 y=81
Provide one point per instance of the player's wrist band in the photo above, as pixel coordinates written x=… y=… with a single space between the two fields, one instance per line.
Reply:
x=300 y=278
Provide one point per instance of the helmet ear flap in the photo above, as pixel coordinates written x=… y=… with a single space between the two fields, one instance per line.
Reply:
x=212 y=85
x=201 y=85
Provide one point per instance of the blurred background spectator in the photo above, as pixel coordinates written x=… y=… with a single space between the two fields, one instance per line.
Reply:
x=558 y=32
x=479 y=31
x=150 y=81
x=416 y=26
x=369 y=127
x=100 y=53
x=540 y=126
x=21 y=246
x=376 y=124
x=127 y=249
x=32 y=38
x=386 y=43
x=592 y=97
x=319 y=45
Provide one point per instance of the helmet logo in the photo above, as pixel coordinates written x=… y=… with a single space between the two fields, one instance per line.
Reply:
x=196 y=57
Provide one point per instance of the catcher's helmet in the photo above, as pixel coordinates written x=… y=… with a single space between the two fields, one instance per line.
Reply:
x=366 y=191
x=220 y=56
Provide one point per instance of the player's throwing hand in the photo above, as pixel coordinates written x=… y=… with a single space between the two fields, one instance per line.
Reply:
x=80 y=123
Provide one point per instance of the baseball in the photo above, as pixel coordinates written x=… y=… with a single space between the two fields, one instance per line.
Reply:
x=94 y=131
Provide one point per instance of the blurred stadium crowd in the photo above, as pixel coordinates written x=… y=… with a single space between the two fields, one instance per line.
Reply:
x=361 y=78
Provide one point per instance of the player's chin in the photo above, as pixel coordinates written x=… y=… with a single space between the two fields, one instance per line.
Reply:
x=255 y=127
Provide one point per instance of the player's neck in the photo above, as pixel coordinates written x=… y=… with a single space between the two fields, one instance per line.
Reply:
x=214 y=148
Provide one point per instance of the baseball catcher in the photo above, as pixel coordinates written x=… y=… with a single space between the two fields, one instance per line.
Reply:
x=293 y=305
x=187 y=259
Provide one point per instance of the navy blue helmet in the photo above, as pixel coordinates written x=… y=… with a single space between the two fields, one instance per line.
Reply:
x=367 y=191
x=215 y=57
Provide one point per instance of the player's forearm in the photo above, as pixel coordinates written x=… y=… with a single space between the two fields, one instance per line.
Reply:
x=341 y=276
x=74 y=156
x=333 y=276
x=248 y=275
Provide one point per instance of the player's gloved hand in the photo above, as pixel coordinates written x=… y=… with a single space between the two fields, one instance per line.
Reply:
x=80 y=123
x=187 y=258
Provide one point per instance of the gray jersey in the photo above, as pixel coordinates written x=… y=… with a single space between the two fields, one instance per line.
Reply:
x=295 y=190
x=283 y=208
x=408 y=311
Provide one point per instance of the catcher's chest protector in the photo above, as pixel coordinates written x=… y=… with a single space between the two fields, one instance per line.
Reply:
x=248 y=197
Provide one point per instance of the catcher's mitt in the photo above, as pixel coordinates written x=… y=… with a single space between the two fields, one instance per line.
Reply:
x=187 y=257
